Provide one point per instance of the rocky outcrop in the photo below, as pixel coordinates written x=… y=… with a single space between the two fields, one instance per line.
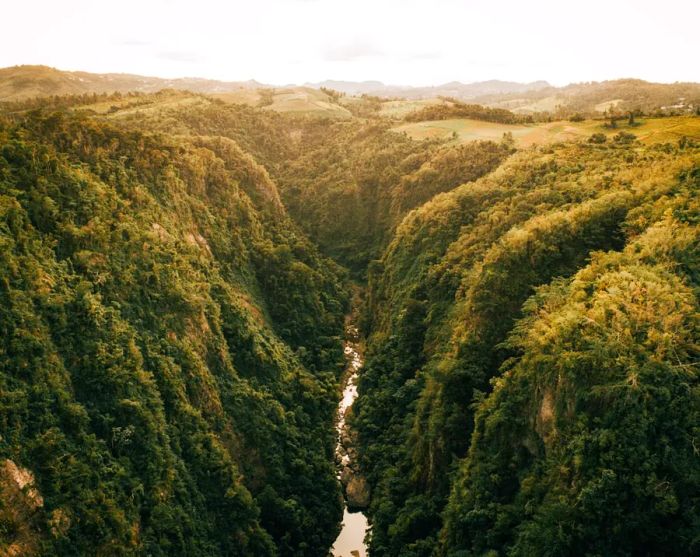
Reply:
x=19 y=502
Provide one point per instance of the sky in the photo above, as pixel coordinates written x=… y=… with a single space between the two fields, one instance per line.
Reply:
x=404 y=42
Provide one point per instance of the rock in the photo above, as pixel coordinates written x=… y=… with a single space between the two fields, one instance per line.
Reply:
x=24 y=480
x=357 y=492
x=20 y=502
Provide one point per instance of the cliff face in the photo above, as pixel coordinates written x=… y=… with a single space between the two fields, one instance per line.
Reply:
x=587 y=438
x=169 y=345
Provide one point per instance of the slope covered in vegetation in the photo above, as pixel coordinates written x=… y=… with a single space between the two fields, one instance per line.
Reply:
x=173 y=280
x=169 y=345
x=532 y=360
x=457 y=109
x=28 y=81
x=624 y=94
x=346 y=184
x=352 y=184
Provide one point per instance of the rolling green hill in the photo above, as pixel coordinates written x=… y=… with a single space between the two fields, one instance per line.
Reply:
x=24 y=82
x=29 y=82
x=624 y=94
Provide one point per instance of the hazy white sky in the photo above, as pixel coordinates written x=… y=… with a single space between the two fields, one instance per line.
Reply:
x=415 y=42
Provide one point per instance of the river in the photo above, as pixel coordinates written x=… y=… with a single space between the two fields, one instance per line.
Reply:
x=350 y=541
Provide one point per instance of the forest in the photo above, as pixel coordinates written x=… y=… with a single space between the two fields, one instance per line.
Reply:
x=169 y=348
x=531 y=385
x=175 y=272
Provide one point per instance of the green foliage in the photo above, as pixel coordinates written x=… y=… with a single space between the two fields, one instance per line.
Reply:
x=353 y=183
x=584 y=98
x=170 y=339
x=455 y=278
x=624 y=137
x=458 y=109
x=586 y=445
x=152 y=377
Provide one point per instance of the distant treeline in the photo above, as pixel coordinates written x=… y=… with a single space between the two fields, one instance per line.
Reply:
x=58 y=102
x=456 y=109
x=629 y=94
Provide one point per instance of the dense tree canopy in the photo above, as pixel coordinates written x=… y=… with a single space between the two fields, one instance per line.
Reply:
x=169 y=391
x=445 y=312
x=457 y=109
x=174 y=275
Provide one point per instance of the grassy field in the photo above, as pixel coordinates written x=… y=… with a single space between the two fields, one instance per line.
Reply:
x=653 y=130
x=296 y=100
x=304 y=100
x=118 y=108
x=400 y=108
x=251 y=97
x=602 y=107
x=547 y=104
x=525 y=106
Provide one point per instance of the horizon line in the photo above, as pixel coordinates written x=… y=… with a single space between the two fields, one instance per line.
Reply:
x=349 y=81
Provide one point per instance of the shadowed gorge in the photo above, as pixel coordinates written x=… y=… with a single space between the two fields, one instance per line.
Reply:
x=191 y=284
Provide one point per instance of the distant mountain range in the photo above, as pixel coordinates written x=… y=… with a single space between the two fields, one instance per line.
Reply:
x=26 y=82
x=452 y=89
x=21 y=82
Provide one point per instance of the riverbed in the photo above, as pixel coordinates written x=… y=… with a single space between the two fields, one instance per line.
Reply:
x=350 y=542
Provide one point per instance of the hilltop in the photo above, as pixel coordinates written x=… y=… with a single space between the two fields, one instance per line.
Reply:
x=22 y=82
x=622 y=94
x=338 y=99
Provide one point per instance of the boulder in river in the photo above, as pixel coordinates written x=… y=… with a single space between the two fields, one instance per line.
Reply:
x=357 y=492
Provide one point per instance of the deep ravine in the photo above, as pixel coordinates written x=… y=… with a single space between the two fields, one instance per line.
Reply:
x=350 y=541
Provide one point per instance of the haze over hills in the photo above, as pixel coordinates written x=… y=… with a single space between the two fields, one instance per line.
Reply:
x=27 y=82
x=451 y=89
x=21 y=82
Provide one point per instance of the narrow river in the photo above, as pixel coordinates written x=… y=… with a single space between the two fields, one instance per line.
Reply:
x=350 y=542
